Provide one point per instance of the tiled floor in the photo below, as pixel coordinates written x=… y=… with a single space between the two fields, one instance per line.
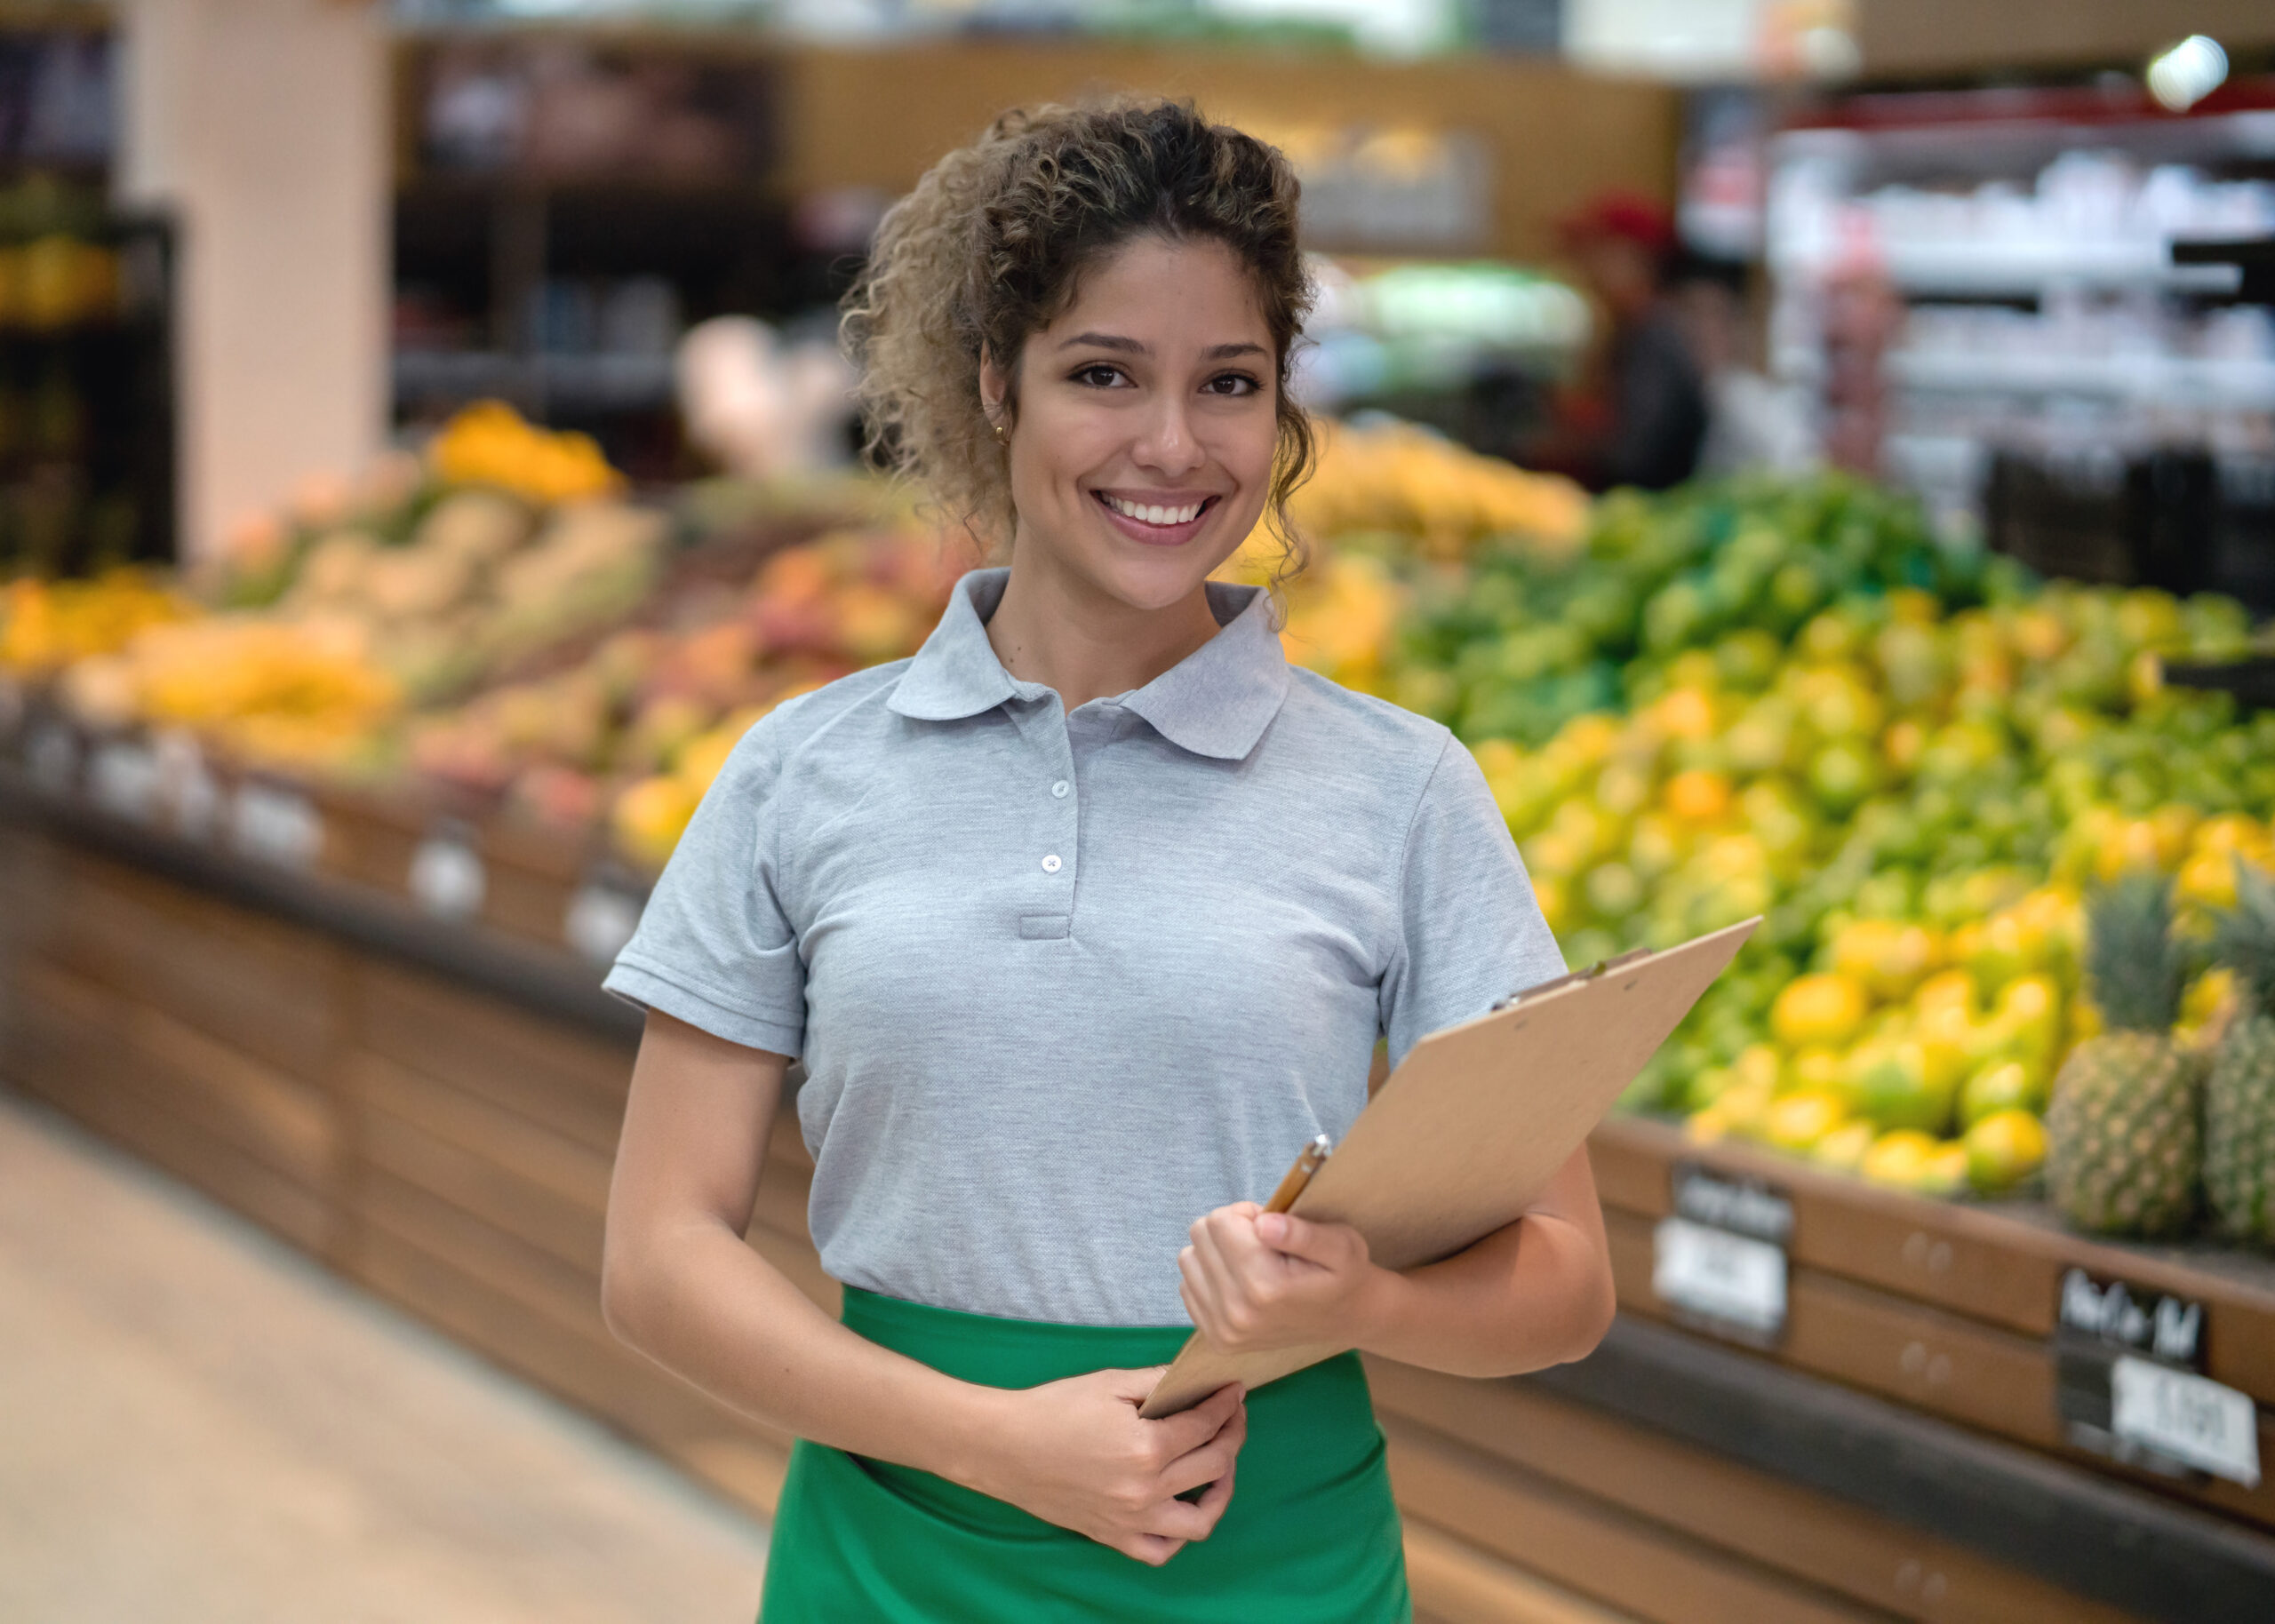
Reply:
x=198 y=1426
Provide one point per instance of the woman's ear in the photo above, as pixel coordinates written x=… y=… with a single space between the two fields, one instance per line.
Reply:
x=995 y=387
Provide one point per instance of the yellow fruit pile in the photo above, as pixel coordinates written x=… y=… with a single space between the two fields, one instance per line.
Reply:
x=1916 y=801
x=46 y=626
x=1410 y=482
x=490 y=443
x=264 y=693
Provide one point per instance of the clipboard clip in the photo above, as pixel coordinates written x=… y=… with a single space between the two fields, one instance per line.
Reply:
x=1616 y=961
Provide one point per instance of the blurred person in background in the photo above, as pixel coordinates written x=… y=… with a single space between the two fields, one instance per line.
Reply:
x=1637 y=414
x=1082 y=922
x=1754 y=424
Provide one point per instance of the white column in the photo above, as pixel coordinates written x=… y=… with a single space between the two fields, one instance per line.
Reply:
x=262 y=125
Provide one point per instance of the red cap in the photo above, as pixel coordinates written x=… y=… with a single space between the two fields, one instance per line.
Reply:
x=1628 y=216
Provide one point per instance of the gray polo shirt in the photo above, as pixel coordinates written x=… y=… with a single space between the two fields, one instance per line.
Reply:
x=1063 y=983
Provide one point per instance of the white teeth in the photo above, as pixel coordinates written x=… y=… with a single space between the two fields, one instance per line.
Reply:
x=1154 y=513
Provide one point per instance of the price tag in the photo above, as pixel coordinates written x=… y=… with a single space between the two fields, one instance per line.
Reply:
x=2189 y=1417
x=2129 y=1383
x=123 y=779
x=1719 y=1261
x=1718 y=1276
x=52 y=755
x=601 y=919
x=276 y=825
x=187 y=785
x=447 y=878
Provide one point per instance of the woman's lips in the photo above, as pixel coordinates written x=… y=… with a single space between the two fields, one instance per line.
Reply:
x=1155 y=535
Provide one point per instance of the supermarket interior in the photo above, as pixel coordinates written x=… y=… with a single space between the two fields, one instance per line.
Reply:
x=1818 y=456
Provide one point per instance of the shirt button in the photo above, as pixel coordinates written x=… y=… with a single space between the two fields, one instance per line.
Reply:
x=1050 y=864
x=1060 y=788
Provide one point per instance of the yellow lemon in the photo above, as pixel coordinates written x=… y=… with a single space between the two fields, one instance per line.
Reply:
x=1946 y=989
x=2004 y=1148
x=1817 y=1067
x=1898 y=1157
x=1799 y=1120
x=1824 y=1010
x=1843 y=1149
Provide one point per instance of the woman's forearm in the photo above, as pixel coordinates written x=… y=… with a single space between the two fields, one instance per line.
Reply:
x=1536 y=1294
x=701 y=1303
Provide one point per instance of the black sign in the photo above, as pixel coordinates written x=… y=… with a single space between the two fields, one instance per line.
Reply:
x=2099 y=1322
x=1744 y=1206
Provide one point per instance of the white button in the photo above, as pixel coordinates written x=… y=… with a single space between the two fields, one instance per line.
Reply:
x=1060 y=789
x=1050 y=864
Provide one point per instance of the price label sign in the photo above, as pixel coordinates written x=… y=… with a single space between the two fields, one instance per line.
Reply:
x=52 y=755
x=276 y=825
x=2212 y=1428
x=1719 y=1261
x=124 y=780
x=601 y=919
x=2129 y=1383
x=447 y=878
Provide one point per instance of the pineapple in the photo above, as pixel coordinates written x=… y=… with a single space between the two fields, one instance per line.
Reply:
x=2124 y=1138
x=2239 y=1096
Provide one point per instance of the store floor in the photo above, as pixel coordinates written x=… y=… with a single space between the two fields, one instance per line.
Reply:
x=197 y=1426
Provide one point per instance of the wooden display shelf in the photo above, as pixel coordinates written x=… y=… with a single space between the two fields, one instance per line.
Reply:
x=1948 y=1307
x=433 y=1111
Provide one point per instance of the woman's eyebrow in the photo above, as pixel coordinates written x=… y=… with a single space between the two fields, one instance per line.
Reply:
x=1133 y=346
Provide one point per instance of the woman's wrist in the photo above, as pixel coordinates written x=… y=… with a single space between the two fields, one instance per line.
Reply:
x=1377 y=1309
x=973 y=1425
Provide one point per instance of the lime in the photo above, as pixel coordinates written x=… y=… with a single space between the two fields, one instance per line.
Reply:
x=1892 y=1083
x=2002 y=1086
x=1841 y=774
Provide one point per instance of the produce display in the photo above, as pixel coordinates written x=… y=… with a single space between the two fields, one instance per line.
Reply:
x=326 y=627
x=2016 y=928
x=1432 y=495
x=1914 y=764
x=641 y=726
x=48 y=625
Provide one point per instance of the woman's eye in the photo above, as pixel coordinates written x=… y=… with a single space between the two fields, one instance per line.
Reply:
x=1232 y=383
x=1099 y=376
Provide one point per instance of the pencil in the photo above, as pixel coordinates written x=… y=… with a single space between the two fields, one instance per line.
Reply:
x=1306 y=1163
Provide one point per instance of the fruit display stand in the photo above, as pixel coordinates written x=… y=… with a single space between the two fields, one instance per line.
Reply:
x=421 y=1087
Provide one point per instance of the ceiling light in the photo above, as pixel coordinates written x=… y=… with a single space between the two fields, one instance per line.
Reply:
x=2181 y=77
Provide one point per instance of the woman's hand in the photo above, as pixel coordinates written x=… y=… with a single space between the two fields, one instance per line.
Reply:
x=1077 y=1453
x=1255 y=1280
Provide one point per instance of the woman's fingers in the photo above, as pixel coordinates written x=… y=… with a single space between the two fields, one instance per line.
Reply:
x=1211 y=1462
x=1181 y=1434
x=1153 y=1549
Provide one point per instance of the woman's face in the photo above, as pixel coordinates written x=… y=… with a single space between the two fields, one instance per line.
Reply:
x=1142 y=452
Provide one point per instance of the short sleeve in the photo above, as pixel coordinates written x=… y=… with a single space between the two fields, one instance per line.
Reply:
x=714 y=947
x=1471 y=933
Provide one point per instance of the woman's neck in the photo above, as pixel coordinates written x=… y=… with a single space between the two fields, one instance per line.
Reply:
x=1055 y=628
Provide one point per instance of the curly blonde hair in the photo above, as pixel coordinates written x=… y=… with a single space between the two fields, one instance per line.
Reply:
x=986 y=251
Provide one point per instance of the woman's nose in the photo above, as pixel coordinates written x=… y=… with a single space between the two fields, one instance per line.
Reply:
x=1168 y=445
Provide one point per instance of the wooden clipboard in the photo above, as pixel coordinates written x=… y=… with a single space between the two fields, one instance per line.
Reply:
x=1473 y=1124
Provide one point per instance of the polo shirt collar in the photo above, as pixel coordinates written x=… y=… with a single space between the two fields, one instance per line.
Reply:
x=1216 y=702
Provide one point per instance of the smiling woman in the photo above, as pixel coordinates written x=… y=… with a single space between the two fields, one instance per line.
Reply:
x=1081 y=921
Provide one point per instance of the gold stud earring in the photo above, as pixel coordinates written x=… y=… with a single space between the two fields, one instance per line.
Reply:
x=1003 y=435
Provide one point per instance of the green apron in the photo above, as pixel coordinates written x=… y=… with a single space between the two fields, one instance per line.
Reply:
x=1311 y=1536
